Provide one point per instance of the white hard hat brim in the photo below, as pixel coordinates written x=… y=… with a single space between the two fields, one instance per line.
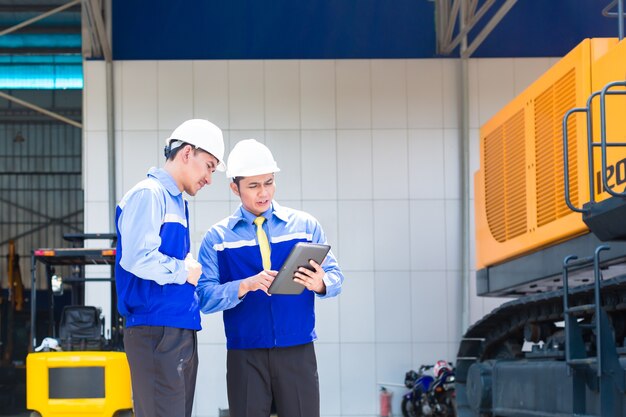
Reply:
x=252 y=172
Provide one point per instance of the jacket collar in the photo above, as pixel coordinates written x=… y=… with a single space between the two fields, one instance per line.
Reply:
x=166 y=179
x=241 y=214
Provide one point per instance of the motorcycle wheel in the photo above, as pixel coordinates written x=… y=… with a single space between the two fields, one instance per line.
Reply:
x=452 y=408
x=408 y=408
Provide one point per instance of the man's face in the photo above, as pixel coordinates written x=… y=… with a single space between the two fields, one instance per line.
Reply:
x=256 y=193
x=200 y=169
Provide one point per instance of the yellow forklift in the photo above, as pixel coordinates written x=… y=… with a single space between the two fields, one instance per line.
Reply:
x=75 y=367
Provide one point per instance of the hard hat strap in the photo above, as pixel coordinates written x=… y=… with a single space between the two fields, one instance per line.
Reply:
x=171 y=147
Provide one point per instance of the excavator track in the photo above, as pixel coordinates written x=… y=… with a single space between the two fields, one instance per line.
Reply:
x=500 y=336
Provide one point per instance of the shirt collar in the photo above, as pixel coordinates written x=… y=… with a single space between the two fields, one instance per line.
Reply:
x=241 y=214
x=166 y=179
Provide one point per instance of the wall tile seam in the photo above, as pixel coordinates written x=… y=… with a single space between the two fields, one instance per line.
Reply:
x=388 y=127
x=265 y=103
x=228 y=98
x=445 y=223
x=397 y=270
x=119 y=101
x=324 y=129
x=282 y=127
x=414 y=343
x=374 y=343
x=300 y=156
x=360 y=129
x=372 y=182
x=365 y=342
x=443 y=92
x=389 y=199
x=264 y=92
x=347 y=129
x=342 y=129
x=143 y=130
x=193 y=90
x=118 y=113
x=339 y=363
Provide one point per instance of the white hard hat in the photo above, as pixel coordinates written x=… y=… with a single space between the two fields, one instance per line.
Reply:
x=249 y=158
x=201 y=134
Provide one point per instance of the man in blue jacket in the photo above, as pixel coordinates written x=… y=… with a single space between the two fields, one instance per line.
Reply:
x=156 y=276
x=270 y=356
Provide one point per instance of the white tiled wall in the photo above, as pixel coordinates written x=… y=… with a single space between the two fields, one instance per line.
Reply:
x=369 y=147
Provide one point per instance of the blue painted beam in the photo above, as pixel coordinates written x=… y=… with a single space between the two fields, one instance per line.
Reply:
x=338 y=29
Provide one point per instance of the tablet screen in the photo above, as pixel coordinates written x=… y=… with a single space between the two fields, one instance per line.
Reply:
x=299 y=256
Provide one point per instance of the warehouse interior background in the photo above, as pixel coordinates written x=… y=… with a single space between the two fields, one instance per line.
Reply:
x=373 y=124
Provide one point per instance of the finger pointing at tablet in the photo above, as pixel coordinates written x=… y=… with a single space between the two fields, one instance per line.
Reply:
x=260 y=281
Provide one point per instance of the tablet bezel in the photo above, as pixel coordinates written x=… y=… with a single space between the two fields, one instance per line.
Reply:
x=299 y=256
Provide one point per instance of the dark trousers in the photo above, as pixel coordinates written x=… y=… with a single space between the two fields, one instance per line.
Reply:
x=163 y=367
x=287 y=375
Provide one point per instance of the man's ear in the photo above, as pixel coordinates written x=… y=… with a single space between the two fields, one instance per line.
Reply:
x=235 y=188
x=186 y=152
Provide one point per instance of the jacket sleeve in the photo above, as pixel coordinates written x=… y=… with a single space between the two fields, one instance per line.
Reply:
x=139 y=225
x=334 y=277
x=213 y=295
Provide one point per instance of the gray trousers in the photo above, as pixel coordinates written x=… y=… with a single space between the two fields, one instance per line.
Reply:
x=163 y=367
x=288 y=376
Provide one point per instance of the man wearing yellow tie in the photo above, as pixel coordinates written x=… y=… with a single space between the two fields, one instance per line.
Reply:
x=270 y=357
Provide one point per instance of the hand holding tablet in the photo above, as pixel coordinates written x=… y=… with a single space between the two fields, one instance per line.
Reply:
x=299 y=256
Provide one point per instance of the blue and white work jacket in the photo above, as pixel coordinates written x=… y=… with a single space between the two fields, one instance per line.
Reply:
x=152 y=223
x=230 y=252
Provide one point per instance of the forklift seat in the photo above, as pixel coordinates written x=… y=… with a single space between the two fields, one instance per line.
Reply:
x=81 y=328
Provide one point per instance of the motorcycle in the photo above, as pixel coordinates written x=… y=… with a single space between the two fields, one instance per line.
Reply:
x=430 y=395
x=442 y=393
x=415 y=402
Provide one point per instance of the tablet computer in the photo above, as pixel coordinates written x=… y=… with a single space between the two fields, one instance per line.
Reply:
x=299 y=256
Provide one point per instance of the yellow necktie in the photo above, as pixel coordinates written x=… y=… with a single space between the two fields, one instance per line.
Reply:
x=264 y=244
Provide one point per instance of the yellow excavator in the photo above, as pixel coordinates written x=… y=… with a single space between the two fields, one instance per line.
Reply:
x=550 y=214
